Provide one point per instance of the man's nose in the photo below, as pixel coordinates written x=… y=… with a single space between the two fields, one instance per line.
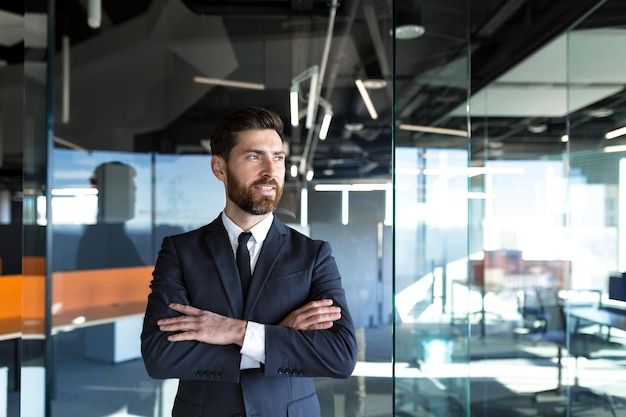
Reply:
x=269 y=169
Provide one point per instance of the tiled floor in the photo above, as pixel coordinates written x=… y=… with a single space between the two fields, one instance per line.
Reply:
x=499 y=382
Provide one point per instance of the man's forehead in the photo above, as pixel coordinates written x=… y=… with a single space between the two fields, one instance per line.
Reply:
x=259 y=136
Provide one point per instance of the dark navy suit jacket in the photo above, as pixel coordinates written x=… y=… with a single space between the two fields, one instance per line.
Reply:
x=198 y=268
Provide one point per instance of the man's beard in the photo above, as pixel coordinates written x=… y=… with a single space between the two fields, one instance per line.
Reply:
x=247 y=200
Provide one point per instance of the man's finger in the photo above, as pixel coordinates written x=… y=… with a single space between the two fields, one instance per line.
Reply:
x=187 y=310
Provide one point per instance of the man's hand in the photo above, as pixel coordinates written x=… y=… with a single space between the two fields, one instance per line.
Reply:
x=203 y=326
x=315 y=315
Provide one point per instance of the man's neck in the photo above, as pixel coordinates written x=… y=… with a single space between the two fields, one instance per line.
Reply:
x=244 y=219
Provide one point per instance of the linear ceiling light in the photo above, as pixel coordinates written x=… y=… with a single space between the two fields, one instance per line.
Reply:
x=293 y=105
x=229 y=83
x=313 y=73
x=429 y=129
x=366 y=98
x=328 y=116
x=615 y=133
x=614 y=148
x=94 y=13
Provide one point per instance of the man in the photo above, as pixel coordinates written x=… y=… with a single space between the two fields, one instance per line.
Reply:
x=254 y=354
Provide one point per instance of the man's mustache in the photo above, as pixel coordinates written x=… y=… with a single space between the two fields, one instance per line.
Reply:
x=266 y=182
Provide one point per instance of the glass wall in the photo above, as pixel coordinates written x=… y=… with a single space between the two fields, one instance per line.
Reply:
x=477 y=221
x=13 y=80
x=544 y=230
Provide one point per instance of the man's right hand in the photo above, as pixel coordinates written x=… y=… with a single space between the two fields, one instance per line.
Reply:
x=315 y=315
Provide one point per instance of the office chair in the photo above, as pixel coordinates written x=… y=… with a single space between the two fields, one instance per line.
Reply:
x=536 y=307
x=577 y=345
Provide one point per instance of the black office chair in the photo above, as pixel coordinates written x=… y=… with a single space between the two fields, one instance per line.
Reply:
x=536 y=307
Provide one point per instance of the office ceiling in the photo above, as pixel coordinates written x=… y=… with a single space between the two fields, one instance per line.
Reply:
x=132 y=82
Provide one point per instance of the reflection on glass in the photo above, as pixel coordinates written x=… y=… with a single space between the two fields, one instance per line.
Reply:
x=106 y=244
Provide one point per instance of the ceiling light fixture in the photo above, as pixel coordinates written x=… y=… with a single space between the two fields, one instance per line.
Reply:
x=353 y=126
x=94 y=13
x=537 y=128
x=409 y=22
x=293 y=106
x=614 y=148
x=374 y=83
x=600 y=112
x=328 y=116
x=429 y=129
x=615 y=133
x=313 y=74
x=229 y=83
x=367 y=100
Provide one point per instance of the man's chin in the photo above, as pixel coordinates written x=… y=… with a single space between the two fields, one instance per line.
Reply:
x=263 y=207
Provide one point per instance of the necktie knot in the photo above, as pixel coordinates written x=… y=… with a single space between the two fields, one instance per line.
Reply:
x=243 y=262
x=244 y=237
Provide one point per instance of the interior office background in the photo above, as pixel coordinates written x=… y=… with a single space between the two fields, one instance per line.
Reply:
x=474 y=189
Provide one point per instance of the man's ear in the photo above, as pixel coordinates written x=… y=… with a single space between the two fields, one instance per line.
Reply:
x=218 y=167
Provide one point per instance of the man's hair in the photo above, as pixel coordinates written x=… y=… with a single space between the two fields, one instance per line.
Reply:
x=224 y=136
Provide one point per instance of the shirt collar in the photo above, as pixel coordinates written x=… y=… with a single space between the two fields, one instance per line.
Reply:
x=259 y=231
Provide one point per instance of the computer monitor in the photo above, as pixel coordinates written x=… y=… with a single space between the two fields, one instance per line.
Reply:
x=617 y=287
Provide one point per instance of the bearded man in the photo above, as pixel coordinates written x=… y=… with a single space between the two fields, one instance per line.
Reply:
x=246 y=311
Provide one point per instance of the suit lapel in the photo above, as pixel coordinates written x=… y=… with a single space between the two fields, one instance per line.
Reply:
x=222 y=254
x=270 y=252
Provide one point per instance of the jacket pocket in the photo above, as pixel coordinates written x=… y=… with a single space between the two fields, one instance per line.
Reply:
x=297 y=278
x=185 y=408
x=304 y=407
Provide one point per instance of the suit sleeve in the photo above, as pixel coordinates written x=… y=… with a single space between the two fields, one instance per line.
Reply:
x=315 y=353
x=186 y=360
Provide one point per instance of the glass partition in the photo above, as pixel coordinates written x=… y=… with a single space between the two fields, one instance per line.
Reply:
x=436 y=307
x=12 y=85
x=136 y=101
x=544 y=235
x=475 y=209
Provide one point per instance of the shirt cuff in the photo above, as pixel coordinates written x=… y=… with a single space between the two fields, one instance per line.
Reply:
x=254 y=342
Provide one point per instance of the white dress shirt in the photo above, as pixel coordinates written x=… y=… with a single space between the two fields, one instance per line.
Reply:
x=253 y=349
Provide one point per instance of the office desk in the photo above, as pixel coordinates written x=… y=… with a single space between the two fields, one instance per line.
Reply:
x=602 y=317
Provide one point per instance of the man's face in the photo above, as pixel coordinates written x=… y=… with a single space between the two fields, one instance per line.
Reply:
x=255 y=171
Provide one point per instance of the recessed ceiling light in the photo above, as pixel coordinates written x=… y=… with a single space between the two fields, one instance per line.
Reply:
x=537 y=128
x=409 y=31
x=353 y=127
x=600 y=112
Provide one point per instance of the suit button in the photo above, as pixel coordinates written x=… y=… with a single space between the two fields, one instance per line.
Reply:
x=205 y=374
x=198 y=374
x=302 y=372
x=281 y=371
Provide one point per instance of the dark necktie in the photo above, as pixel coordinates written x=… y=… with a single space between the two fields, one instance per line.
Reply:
x=243 y=262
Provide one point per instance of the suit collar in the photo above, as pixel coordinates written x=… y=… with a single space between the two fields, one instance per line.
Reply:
x=271 y=251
